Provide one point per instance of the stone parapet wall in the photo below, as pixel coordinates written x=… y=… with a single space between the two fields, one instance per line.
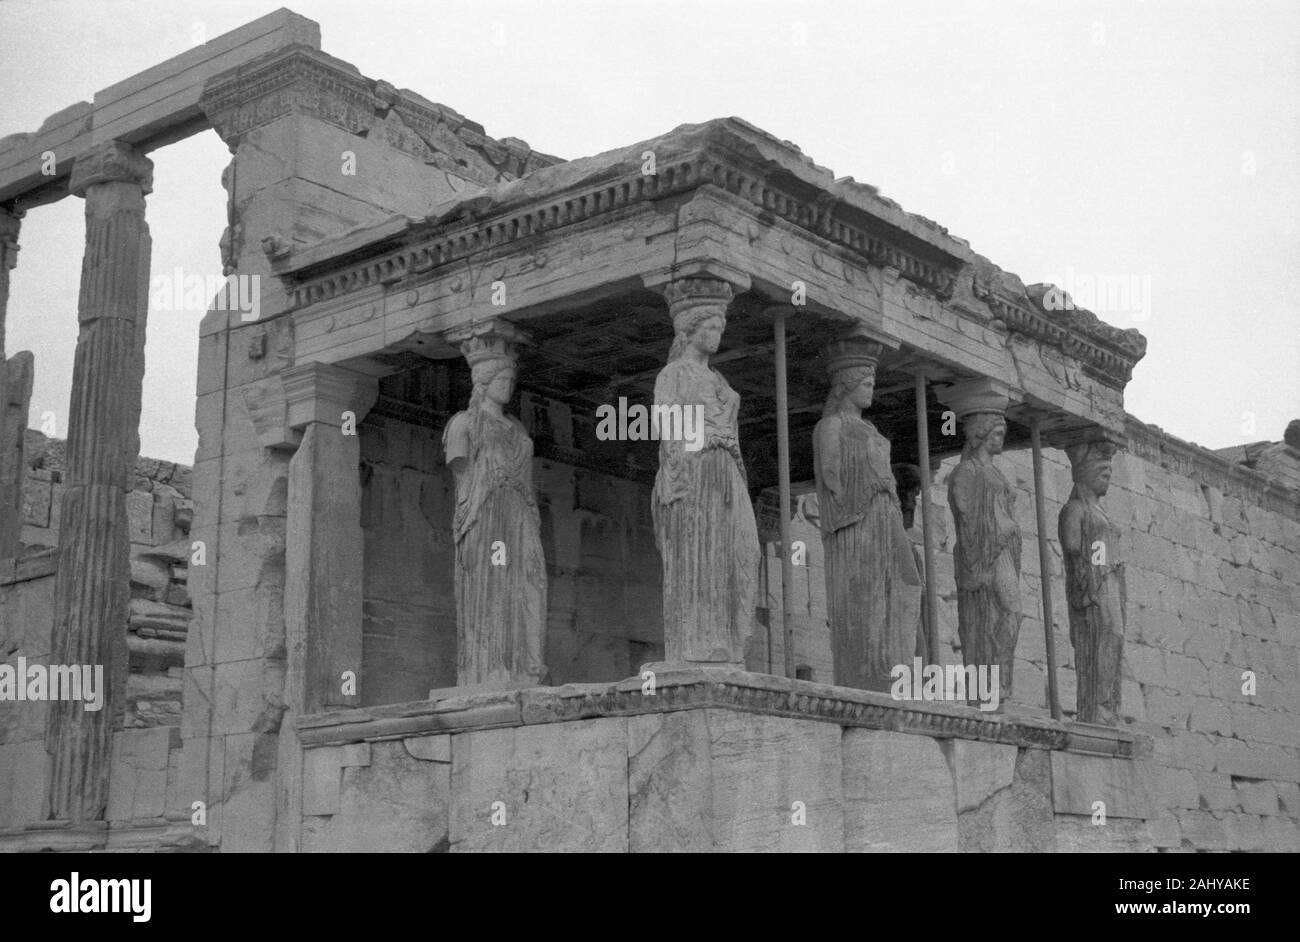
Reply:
x=711 y=761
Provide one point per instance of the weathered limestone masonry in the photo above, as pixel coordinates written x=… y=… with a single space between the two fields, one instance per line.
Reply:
x=145 y=758
x=313 y=589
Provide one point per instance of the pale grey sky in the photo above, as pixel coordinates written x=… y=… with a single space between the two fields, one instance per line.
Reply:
x=1158 y=141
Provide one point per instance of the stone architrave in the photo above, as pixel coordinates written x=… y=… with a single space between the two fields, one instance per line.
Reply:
x=986 y=557
x=1094 y=583
x=93 y=587
x=872 y=583
x=501 y=583
x=703 y=518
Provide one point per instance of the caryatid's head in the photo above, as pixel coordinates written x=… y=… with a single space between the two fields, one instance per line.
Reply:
x=1090 y=466
x=851 y=364
x=985 y=430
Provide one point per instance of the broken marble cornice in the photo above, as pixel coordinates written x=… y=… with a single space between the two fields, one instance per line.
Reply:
x=685 y=689
x=552 y=198
x=300 y=79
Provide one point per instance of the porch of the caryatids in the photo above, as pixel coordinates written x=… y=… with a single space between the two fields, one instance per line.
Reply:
x=92 y=587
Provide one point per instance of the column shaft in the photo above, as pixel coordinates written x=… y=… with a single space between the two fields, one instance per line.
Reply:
x=92 y=588
x=15 y=393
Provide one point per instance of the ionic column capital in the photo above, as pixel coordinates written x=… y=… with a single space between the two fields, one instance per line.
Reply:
x=111 y=162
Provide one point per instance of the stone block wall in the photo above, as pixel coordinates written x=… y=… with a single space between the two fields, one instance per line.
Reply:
x=159 y=511
x=1212 y=553
x=604 y=593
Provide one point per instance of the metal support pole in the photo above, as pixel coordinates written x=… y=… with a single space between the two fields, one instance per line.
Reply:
x=1044 y=569
x=927 y=522
x=783 y=488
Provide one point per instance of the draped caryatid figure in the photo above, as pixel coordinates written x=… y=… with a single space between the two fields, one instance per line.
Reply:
x=986 y=557
x=872 y=583
x=703 y=519
x=500 y=567
x=1094 y=584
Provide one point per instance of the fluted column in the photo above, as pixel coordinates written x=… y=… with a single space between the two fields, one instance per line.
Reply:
x=15 y=390
x=10 y=222
x=92 y=588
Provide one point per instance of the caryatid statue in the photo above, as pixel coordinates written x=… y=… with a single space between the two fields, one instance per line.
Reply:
x=986 y=557
x=500 y=567
x=872 y=583
x=703 y=519
x=1094 y=584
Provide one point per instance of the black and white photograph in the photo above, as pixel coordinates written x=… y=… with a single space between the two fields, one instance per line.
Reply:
x=684 y=427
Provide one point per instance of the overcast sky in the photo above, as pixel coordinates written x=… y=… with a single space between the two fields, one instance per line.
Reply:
x=1154 y=141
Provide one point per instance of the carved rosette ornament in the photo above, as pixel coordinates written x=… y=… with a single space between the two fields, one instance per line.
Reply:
x=92 y=588
x=703 y=518
x=1094 y=583
x=501 y=588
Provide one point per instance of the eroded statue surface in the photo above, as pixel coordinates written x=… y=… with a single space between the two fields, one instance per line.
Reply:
x=500 y=567
x=986 y=557
x=703 y=518
x=872 y=582
x=1094 y=584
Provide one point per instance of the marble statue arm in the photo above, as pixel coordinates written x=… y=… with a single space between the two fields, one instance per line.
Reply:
x=457 y=451
x=1081 y=584
x=673 y=482
x=826 y=453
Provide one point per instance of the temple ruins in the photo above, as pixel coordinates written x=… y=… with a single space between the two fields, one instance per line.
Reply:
x=407 y=598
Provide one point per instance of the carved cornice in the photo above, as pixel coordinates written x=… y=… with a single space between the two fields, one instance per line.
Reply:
x=683 y=689
x=111 y=162
x=718 y=155
x=486 y=222
x=302 y=80
x=1107 y=353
